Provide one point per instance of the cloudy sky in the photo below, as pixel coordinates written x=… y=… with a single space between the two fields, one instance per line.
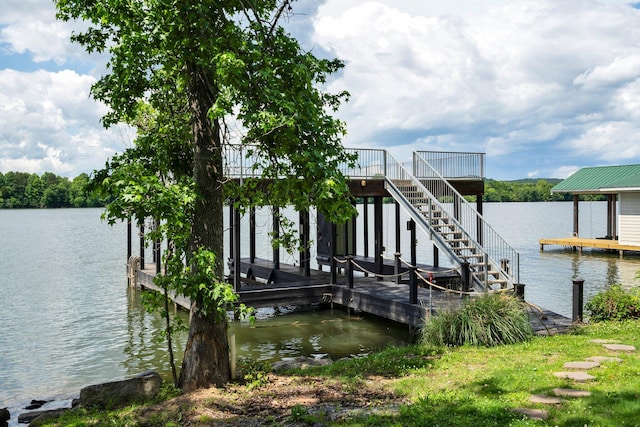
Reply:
x=543 y=87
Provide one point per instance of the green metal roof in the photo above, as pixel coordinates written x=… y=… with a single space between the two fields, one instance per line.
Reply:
x=598 y=179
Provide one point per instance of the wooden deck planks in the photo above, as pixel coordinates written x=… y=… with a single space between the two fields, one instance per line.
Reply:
x=580 y=243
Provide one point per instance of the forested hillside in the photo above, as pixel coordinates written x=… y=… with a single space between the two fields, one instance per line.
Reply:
x=26 y=190
x=527 y=190
x=29 y=190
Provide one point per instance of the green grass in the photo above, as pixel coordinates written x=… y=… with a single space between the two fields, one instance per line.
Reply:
x=471 y=386
x=476 y=386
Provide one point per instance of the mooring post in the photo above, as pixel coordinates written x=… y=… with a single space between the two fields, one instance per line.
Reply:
x=466 y=277
x=350 y=271
x=333 y=254
x=396 y=268
x=413 y=285
x=129 y=239
x=518 y=289
x=578 y=294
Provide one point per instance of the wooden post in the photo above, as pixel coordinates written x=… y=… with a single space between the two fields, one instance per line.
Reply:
x=413 y=280
x=236 y=250
x=332 y=261
x=276 y=235
x=413 y=285
x=576 y=230
x=396 y=269
x=252 y=234
x=518 y=289
x=350 y=271
x=157 y=252
x=129 y=239
x=465 y=274
x=436 y=256
x=354 y=231
x=142 y=246
x=365 y=219
x=479 y=230
x=305 y=252
x=378 y=232
x=232 y=226
x=578 y=298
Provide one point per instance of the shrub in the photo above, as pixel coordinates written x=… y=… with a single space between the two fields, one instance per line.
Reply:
x=487 y=320
x=614 y=303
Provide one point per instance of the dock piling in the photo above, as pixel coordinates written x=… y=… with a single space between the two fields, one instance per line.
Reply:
x=578 y=297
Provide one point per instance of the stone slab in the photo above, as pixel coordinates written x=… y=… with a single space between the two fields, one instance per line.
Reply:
x=575 y=375
x=619 y=347
x=533 y=414
x=585 y=364
x=569 y=392
x=601 y=341
x=547 y=400
x=604 y=359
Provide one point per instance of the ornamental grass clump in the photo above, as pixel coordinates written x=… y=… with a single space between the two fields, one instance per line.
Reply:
x=614 y=303
x=488 y=320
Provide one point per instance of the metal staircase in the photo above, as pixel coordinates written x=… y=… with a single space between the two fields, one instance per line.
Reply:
x=453 y=224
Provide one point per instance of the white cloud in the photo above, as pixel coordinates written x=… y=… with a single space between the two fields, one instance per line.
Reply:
x=535 y=83
x=521 y=79
x=48 y=122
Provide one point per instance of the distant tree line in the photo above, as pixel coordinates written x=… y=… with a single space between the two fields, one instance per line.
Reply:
x=528 y=190
x=29 y=190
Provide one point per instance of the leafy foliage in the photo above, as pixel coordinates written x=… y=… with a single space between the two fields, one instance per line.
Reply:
x=614 y=303
x=488 y=320
x=181 y=71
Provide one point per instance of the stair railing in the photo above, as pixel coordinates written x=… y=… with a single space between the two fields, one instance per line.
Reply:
x=500 y=253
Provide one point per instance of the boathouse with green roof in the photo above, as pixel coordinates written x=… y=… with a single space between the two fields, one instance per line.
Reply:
x=621 y=186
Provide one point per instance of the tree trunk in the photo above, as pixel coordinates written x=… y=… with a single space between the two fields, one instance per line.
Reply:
x=206 y=356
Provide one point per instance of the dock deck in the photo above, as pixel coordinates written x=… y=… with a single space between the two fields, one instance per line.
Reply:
x=579 y=243
x=382 y=298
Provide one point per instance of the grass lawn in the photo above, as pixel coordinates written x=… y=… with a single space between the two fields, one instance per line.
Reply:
x=419 y=386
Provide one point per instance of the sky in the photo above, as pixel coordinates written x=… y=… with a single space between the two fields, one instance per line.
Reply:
x=543 y=87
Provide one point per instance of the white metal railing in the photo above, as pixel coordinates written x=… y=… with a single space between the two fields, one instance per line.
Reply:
x=503 y=255
x=452 y=165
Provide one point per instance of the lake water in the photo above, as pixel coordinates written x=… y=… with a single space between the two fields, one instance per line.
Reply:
x=69 y=320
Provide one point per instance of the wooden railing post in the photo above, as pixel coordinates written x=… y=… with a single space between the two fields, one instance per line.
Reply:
x=350 y=271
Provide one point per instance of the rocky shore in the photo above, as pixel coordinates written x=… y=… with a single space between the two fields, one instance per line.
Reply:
x=117 y=393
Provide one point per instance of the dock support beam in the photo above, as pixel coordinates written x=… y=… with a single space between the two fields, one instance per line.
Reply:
x=276 y=235
x=332 y=261
x=129 y=239
x=378 y=232
x=236 y=253
x=305 y=251
x=252 y=234
x=576 y=202
x=465 y=275
x=365 y=232
x=142 y=246
x=413 y=280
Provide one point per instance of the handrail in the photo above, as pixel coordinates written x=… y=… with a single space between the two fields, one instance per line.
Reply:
x=495 y=246
x=453 y=165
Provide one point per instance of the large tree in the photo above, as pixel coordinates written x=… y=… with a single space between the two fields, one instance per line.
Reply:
x=225 y=61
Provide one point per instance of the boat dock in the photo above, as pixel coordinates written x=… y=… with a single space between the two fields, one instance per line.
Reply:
x=580 y=243
x=432 y=192
x=385 y=298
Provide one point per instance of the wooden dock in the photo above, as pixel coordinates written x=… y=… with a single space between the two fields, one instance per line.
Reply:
x=579 y=243
x=381 y=298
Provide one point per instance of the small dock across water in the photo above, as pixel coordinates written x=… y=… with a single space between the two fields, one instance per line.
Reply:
x=580 y=243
